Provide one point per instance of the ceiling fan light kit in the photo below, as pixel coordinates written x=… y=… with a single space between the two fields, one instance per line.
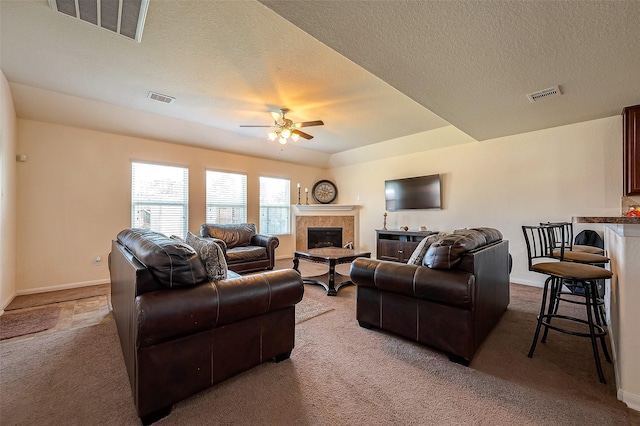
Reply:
x=284 y=128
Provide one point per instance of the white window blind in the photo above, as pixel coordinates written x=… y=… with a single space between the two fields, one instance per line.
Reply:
x=160 y=198
x=275 y=208
x=226 y=197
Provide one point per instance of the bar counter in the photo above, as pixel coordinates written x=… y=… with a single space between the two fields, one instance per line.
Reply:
x=622 y=245
x=620 y=220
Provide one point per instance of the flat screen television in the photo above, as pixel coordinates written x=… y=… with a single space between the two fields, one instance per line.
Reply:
x=421 y=192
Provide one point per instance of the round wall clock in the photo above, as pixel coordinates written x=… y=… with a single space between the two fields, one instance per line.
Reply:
x=324 y=192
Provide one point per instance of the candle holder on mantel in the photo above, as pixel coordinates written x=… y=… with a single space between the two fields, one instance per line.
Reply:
x=384 y=225
x=307 y=195
x=298 y=194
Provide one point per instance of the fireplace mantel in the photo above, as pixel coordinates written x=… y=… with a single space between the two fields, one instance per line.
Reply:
x=325 y=207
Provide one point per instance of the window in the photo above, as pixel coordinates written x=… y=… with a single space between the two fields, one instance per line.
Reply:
x=160 y=198
x=226 y=197
x=274 y=206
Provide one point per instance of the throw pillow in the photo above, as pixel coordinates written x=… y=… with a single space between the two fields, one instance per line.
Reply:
x=418 y=254
x=212 y=256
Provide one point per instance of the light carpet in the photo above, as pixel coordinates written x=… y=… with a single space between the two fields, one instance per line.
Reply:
x=308 y=308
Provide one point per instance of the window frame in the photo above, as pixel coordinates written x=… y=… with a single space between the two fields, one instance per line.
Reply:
x=206 y=195
x=184 y=203
x=283 y=207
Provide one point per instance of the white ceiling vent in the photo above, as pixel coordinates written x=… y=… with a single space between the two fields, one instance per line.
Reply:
x=551 y=92
x=161 y=98
x=124 y=17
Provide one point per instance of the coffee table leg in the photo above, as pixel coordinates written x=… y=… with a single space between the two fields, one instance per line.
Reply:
x=296 y=262
x=331 y=291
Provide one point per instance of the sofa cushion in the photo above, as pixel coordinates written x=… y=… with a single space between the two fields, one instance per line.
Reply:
x=172 y=263
x=212 y=255
x=234 y=235
x=418 y=254
x=448 y=250
x=492 y=235
x=244 y=254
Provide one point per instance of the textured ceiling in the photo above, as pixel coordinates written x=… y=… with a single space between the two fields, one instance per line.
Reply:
x=372 y=71
x=473 y=62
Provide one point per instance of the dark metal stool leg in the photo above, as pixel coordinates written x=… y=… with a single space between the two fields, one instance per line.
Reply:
x=540 y=317
x=553 y=305
x=596 y=314
x=594 y=344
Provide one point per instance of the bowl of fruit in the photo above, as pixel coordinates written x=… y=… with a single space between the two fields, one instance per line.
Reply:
x=634 y=211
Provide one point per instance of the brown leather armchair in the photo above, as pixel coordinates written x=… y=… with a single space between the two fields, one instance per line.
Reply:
x=181 y=333
x=244 y=248
x=452 y=309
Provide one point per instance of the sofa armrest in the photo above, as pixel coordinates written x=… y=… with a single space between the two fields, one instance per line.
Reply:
x=169 y=314
x=451 y=287
x=267 y=241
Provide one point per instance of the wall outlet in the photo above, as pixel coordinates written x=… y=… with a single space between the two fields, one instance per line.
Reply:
x=97 y=261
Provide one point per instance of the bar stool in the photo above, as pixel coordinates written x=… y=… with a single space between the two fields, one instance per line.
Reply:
x=567 y=240
x=561 y=236
x=540 y=247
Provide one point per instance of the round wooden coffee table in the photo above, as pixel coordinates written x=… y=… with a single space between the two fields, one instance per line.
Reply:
x=330 y=256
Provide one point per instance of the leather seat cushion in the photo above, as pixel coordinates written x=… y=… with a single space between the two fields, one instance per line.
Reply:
x=243 y=254
x=572 y=270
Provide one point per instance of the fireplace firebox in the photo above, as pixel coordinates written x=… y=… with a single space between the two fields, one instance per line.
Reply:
x=324 y=237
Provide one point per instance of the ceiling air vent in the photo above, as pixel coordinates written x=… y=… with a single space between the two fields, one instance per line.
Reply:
x=124 y=17
x=551 y=92
x=161 y=98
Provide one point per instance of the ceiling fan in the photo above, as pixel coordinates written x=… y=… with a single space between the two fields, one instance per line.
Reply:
x=284 y=128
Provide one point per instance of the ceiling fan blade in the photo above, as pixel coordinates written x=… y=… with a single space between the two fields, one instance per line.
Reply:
x=310 y=123
x=253 y=125
x=303 y=134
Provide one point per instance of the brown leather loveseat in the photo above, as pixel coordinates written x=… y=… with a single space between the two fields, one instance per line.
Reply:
x=181 y=333
x=451 y=301
x=244 y=248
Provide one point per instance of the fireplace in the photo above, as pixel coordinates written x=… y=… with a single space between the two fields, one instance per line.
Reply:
x=317 y=216
x=324 y=237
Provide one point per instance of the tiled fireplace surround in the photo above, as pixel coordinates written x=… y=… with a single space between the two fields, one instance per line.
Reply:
x=321 y=216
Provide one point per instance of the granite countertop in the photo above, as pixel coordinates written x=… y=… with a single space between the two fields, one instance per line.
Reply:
x=624 y=220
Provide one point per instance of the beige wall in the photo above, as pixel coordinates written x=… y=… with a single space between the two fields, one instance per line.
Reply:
x=74 y=192
x=75 y=196
x=8 y=182
x=548 y=175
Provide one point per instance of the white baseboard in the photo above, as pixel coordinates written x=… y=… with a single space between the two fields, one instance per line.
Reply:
x=526 y=282
x=6 y=302
x=632 y=400
x=60 y=287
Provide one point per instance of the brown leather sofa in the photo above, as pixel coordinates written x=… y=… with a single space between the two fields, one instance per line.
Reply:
x=452 y=305
x=181 y=333
x=244 y=248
